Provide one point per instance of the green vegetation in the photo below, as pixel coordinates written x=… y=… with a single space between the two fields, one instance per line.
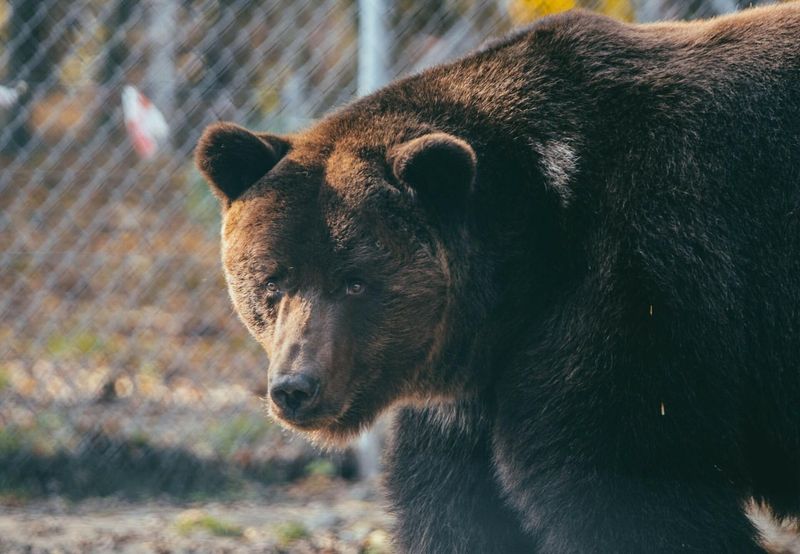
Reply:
x=10 y=440
x=320 y=466
x=196 y=520
x=5 y=379
x=41 y=436
x=77 y=344
x=290 y=532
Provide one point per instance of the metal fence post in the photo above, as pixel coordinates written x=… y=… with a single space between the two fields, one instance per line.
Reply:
x=373 y=45
x=161 y=25
x=373 y=54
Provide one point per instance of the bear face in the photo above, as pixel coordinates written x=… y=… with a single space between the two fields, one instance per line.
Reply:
x=334 y=267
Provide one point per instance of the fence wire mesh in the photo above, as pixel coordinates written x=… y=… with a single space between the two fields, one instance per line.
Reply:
x=117 y=339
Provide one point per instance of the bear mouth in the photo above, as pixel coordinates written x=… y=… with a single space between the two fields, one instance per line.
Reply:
x=324 y=427
x=301 y=422
x=318 y=418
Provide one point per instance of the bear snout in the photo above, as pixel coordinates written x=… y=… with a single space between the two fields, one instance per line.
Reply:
x=295 y=394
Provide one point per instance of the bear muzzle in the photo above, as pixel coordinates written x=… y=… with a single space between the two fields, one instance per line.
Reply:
x=295 y=395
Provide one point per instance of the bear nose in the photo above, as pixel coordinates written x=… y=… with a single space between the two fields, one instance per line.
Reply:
x=294 y=393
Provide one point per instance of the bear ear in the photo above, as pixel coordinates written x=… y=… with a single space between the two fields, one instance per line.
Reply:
x=439 y=168
x=233 y=159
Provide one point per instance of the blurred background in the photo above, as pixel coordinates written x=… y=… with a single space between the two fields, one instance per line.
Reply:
x=130 y=417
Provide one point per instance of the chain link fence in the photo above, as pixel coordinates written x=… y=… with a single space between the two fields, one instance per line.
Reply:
x=122 y=365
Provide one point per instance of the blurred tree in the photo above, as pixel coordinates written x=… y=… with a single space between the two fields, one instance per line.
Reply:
x=525 y=11
x=39 y=34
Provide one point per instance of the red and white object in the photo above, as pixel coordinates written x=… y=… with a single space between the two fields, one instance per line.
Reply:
x=146 y=125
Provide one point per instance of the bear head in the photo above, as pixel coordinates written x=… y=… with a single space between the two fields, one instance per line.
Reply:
x=334 y=248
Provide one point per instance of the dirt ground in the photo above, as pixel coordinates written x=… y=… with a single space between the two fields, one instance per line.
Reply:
x=317 y=514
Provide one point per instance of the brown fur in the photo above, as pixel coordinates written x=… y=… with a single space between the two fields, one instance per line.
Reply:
x=580 y=254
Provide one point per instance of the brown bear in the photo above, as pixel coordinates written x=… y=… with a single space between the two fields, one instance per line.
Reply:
x=572 y=258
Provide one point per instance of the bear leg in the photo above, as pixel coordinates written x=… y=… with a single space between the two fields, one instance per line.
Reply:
x=577 y=507
x=443 y=489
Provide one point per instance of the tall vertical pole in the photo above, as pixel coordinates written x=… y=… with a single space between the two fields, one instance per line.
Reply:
x=373 y=45
x=160 y=78
x=373 y=73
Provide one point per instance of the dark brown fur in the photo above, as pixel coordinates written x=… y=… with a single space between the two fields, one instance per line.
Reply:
x=581 y=250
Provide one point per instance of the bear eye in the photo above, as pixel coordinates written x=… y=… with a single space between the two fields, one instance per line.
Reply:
x=273 y=287
x=279 y=282
x=354 y=287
